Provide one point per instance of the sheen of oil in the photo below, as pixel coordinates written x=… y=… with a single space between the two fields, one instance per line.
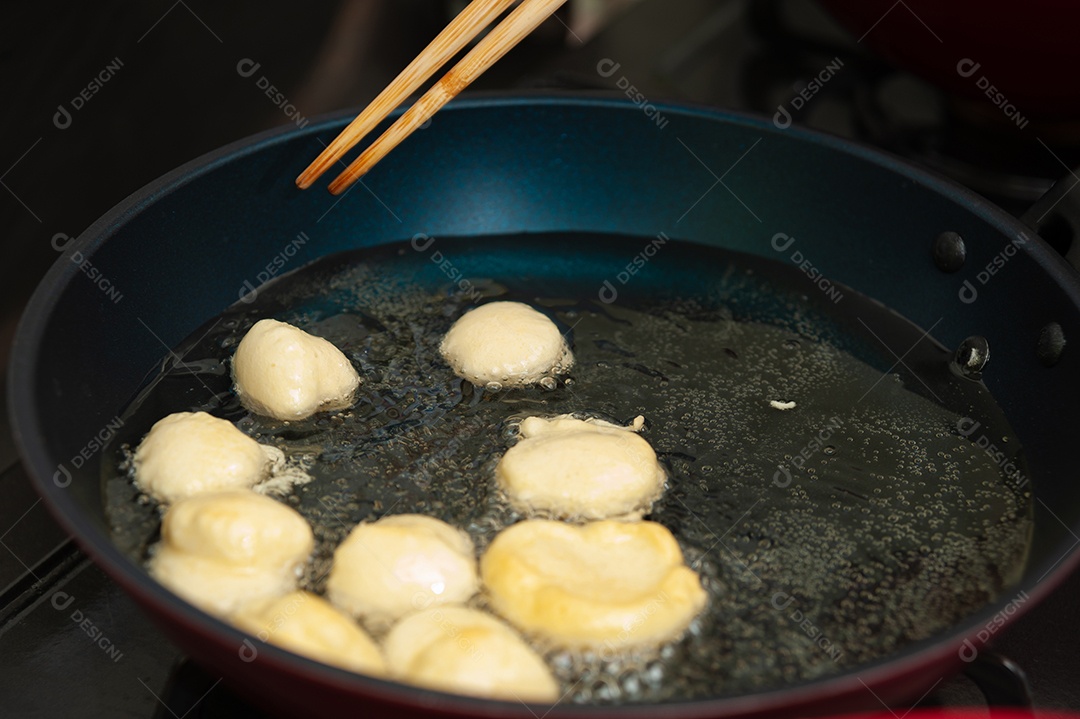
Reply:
x=829 y=534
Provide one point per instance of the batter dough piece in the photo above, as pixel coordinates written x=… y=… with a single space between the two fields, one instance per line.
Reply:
x=307 y=624
x=189 y=453
x=603 y=585
x=401 y=563
x=464 y=651
x=283 y=372
x=508 y=343
x=220 y=551
x=580 y=469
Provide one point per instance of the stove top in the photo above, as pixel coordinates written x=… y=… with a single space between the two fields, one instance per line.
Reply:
x=118 y=95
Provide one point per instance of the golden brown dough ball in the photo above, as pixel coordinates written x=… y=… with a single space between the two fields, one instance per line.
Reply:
x=306 y=624
x=189 y=453
x=604 y=584
x=401 y=563
x=220 y=551
x=464 y=651
x=580 y=469
x=286 y=373
x=508 y=343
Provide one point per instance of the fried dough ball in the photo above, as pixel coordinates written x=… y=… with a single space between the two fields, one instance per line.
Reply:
x=306 y=624
x=508 y=343
x=580 y=469
x=603 y=585
x=464 y=651
x=220 y=551
x=285 y=373
x=399 y=564
x=189 y=453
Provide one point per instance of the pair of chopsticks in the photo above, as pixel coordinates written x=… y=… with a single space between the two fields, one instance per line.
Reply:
x=467 y=25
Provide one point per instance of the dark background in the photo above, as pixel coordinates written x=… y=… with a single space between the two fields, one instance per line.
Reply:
x=178 y=95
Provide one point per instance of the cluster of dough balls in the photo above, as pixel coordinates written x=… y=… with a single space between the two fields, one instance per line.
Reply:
x=605 y=584
x=580 y=469
x=413 y=574
x=506 y=343
x=238 y=555
x=234 y=553
x=286 y=373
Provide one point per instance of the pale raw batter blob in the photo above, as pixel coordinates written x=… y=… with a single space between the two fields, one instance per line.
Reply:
x=189 y=453
x=306 y=624
x=286 y=373
x=464 y=651
x=401 y=563
x=580 y=469
x=220 y=551
x=506 y=343
x=604 y=585
x=285 y=473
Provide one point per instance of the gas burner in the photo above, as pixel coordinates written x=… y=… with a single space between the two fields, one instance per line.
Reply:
x=1006 y=159
x=809 y=72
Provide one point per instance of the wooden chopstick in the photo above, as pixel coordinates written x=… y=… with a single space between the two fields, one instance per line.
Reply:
x=504 y=36
x=467 y=25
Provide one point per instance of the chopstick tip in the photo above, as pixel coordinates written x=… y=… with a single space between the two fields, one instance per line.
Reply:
x=343 y=182
x=338 y=189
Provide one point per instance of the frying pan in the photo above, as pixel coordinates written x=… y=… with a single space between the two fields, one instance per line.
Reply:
x=182 y=249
